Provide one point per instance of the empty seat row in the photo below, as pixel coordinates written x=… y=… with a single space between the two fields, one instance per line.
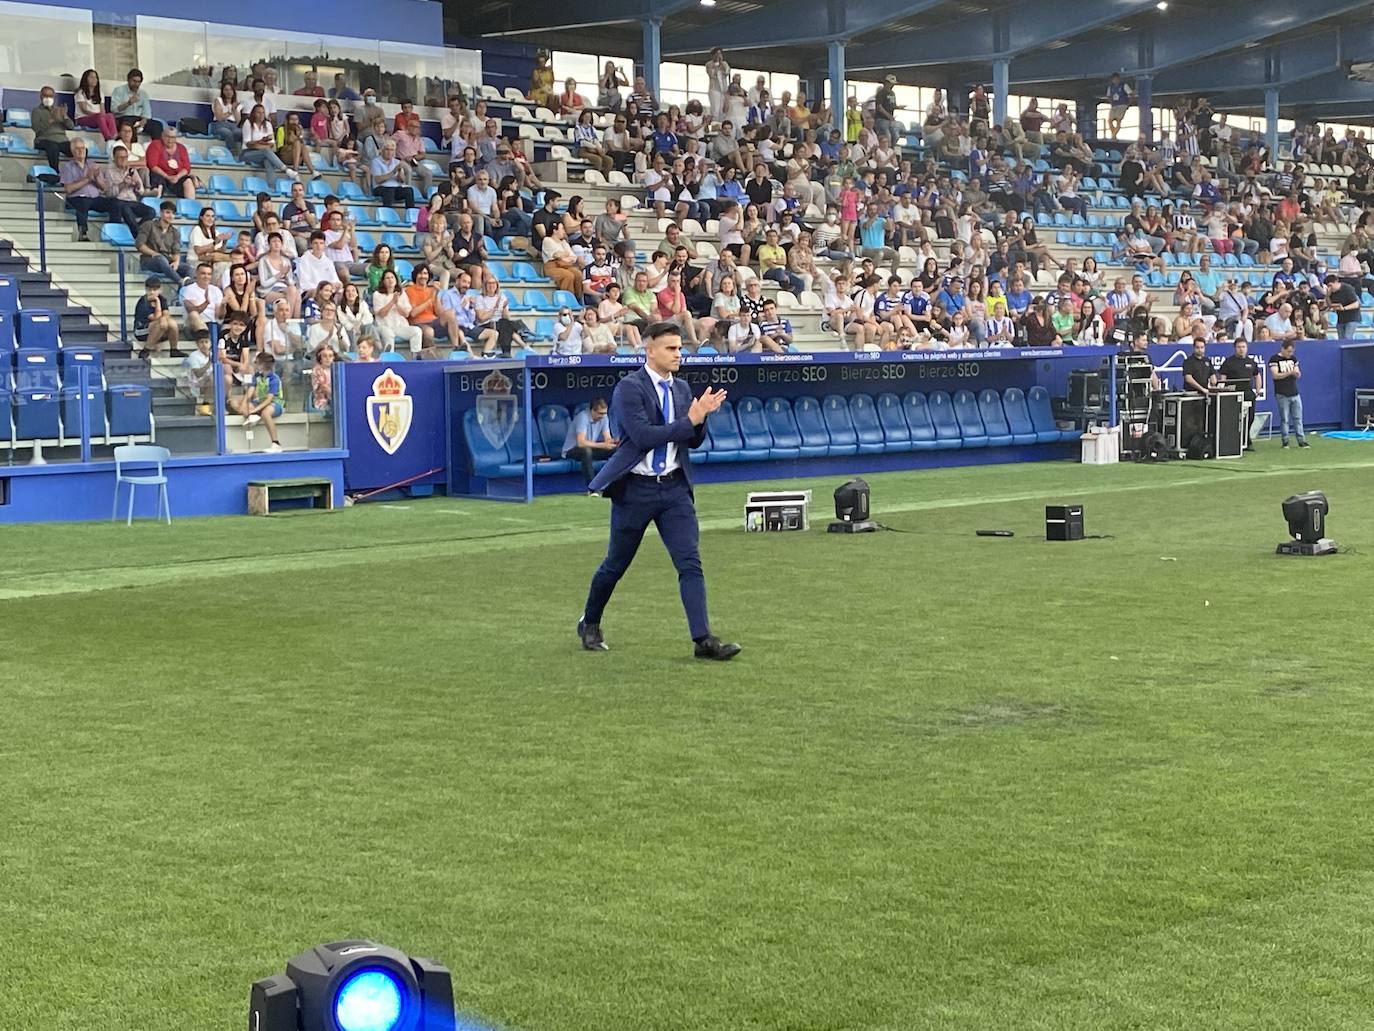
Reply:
x=779 y=428
x=36 y=414
x=39 y=369
x=31 y=328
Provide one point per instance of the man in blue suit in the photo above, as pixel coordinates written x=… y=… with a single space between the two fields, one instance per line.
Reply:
x=649 y=480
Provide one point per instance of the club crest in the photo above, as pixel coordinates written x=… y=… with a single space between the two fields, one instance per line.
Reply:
x=498 y=410
x=389 y=411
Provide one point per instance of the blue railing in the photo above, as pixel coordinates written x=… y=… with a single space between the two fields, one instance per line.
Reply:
x=42 y=229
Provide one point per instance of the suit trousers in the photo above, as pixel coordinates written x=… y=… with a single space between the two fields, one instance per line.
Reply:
x=669 y=507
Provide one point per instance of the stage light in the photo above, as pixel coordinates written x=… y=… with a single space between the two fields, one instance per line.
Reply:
x=354 y=986
x=1163 y=5
x=851 y=509
x=1306 y=517
x=708 y=3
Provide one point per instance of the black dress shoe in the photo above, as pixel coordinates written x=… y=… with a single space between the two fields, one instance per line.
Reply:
x=712 y=647
x=590 y=635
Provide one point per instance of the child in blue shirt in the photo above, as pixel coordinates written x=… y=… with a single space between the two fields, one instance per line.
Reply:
x=262 y=401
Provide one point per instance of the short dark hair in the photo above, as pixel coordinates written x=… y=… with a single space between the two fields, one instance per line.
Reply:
x=168 y=205
x=598 y=402
x=316 y=235
x=662 y=329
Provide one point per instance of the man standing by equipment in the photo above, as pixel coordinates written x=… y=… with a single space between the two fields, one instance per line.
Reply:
x=1197 y=370
x=1238 y=368
x=649 y=480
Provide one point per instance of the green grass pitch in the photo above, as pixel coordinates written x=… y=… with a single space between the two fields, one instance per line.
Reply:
x=951 y=783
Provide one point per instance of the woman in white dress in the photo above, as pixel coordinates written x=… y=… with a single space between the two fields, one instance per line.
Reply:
x=717 y=82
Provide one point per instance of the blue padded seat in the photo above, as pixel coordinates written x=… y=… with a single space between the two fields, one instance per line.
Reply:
x=896 y=433
x=36 y=329
x=753 y=427
x=843 y=438
x=918 y=421
x=1042 y=417
x=1019 y=420
x=941 y=410
x=551 y=422
x=971 y=428
x=863 y=413
x=783 y=427
x=811 y=424
x=724 y=430
x=994 y=419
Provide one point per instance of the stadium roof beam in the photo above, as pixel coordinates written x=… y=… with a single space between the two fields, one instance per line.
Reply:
x=1173 y=41
x=1280 y=64
x=1003 y=33
x=533 y=16
x=796 y=21
x=1334 y=95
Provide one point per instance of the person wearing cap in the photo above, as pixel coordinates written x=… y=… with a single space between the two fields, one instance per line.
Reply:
x=885 y=108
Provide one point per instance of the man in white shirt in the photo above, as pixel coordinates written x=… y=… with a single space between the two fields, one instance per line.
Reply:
x=314 y=267
x=482 y=202
x=201 y=299
x=744 y=334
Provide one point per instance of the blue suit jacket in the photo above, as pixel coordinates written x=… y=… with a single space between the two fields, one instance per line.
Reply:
x=635 y=409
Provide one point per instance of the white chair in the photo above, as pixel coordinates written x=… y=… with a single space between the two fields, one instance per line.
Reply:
x=693 y=228
x=513 y=95
x=521 y=114
x=628 y=202
x=489 y=92
x=554 y=134
x=560 y=153
x=744 y=273
x=527 y=131
x=594 y=176
x=543 y=114
x=706 y=249
x=811 y=299
x=786 y=301
x=604 y=120
x=618 y=178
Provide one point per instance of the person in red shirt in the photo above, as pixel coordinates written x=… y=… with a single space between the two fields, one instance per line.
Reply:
x=311 y=87
x=672 y=307
x=169 y=166
x=404 y=116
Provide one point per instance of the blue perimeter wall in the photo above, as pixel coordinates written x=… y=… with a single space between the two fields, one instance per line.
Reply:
x=405 y=21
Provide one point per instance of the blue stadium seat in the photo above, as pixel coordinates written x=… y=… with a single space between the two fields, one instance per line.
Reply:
x=219 y=155
x=36 y=329
x=543 y=329
x=116 y=234
x=863 y=413
x=349 y=190
x=786 y=437
x=36 y=369
x=44 y=174
x=499 y=269
x=918 y=421
x=317 y=189
x=495 y=247
x=9 y=294
x=404 y=269
x=1018 y=418
x=255 y=184
x=566 y=299
x=6 y=343
x=223 y=184
x=843 y=439
x=363 y=216
x=1042 y=417
x=896 y=433
x=515 y=448
x=72 y=360
x=397 y=243
x=487 y=459
x=282 y=187
x=552 y=422
x=189 y=209
x=941 y=410
x=538 y=300
x=994 y=419
x=523 y=272
x=15 y=145
x=367 y=243
x=18 y=117
x=811 y=425
x=226 y=211
x=71 y=412
x=390 y=217
x=1247 y=261
x=753 y=427
x=129 y=409
x=727 y=444
x=36 y=414
x=971 y=429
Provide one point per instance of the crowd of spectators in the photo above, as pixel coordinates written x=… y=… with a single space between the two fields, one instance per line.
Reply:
x=788 y=198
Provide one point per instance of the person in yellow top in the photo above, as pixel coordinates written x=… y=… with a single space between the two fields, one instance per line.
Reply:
x=853 y=119
x=541 y=79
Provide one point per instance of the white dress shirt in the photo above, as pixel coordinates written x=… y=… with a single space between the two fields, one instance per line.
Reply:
x=646 y=464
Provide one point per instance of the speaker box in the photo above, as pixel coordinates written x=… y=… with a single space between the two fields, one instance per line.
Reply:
x=1063 y=522
x=1086 y=388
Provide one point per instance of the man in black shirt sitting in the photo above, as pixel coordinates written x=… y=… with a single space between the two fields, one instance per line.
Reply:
x=546 y=217
x=1197 y=370
x=1237 y=369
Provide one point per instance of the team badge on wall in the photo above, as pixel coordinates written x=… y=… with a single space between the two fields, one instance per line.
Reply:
x=389 y=411
x=498 y=410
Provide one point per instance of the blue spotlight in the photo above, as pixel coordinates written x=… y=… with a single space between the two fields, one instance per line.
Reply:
x=354 y=986
x=369 y=1000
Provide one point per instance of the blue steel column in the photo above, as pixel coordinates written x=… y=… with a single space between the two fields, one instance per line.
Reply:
x=1271 y=121
x=1001 y=77
x=653 y=54
x=1144 y=95
x=838 y=93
